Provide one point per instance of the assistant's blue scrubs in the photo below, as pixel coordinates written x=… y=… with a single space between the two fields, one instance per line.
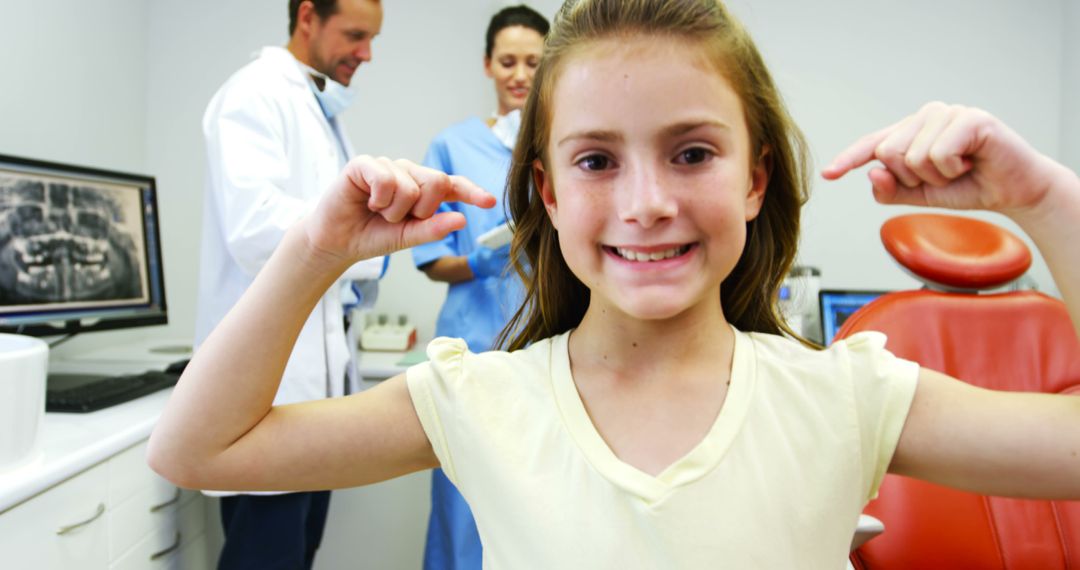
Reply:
x=475 y=311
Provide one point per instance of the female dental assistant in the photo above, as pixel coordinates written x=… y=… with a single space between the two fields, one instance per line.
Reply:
x=483 y=293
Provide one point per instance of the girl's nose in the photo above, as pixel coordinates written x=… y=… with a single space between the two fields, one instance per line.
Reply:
x=645 y=199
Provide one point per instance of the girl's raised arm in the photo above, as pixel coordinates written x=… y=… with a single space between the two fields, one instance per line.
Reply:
x=949 y=156
x=220 y=430
x=995 y=443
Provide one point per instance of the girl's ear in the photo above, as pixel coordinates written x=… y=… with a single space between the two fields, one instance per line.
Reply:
x=487 y=67
x=543 y=184
x=759 y=181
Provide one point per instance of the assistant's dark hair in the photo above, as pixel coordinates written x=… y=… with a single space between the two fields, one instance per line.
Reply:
x=324 y=8
x=556 y=299
x=520 y=15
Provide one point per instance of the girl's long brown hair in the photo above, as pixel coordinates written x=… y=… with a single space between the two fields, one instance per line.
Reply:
x=555 y=300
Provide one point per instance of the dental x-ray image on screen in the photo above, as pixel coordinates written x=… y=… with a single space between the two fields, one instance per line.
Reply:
x=67 y=242
x=77 y=246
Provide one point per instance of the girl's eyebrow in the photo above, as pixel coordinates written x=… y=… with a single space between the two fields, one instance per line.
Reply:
x=597 y=135
x=669 y=131
x=688 y=126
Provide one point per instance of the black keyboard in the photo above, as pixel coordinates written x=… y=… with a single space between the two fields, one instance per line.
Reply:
x=88 y=392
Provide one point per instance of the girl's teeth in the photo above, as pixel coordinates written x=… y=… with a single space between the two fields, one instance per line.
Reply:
x=654 y=256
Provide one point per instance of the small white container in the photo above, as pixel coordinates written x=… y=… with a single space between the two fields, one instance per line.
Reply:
x=24 y=363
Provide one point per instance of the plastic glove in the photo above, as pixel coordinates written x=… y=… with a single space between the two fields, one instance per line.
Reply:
x=485 y=262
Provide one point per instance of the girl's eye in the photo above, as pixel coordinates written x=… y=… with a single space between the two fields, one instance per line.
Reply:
x=693 y=155
x=595 y=162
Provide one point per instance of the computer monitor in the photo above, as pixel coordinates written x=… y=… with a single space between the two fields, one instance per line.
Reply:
x=839 y=304
x=80 y=249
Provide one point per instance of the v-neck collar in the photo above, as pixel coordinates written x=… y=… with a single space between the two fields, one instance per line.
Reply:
x=695 y=464
x=482 y=130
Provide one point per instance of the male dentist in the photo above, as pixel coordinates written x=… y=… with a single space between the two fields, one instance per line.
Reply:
x=274 y=144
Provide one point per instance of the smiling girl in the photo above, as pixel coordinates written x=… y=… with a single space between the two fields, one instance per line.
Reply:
x=483 y=293
x=654 y=411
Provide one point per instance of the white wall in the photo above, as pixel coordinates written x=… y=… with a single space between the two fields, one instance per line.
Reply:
x=1070 y=92
x=192 y=47
x=73 y=85
x=850 y=67
x=121 y=84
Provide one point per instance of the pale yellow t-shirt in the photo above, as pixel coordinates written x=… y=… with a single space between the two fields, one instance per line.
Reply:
x=800 y=445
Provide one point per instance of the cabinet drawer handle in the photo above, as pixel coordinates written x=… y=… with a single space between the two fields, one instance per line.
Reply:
x=167 y=551
x=170 y=502
x=66 y=529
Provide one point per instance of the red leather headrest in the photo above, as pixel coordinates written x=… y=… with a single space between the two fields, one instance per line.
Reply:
x=955 y=252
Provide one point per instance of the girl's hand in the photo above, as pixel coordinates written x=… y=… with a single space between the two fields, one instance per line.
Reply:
x=957 y=157
x=379 y=206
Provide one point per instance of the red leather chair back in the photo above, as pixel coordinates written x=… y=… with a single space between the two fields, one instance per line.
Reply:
x=1022 y=341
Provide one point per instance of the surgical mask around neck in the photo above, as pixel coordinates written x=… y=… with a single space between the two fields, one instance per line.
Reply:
x=506 y=128
x=333 y=97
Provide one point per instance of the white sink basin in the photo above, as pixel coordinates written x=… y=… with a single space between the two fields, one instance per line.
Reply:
x=24 y=362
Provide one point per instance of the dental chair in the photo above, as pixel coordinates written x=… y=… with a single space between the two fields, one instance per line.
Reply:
x=1004 y=340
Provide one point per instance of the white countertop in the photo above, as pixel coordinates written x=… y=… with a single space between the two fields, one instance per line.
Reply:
x=375 y=366
x=71 y=443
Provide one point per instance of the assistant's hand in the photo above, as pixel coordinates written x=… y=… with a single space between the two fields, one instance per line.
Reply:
x=378 y=206
x=956 y=157
x=486 y=262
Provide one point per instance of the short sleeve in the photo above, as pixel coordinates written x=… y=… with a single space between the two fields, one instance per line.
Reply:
x=884 y=387
x=431 y=387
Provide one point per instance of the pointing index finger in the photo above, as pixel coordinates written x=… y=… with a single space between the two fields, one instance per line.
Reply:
x=858 y=154
x=465 y=190
x=437 y=187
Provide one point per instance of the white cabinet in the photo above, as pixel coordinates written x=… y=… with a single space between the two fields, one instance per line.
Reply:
x=178 y=543
x=63 y=528
x=150 y=519
x=117 y=515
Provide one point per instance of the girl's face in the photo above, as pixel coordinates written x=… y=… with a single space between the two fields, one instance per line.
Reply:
x=649 y=179
x=514 y=57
